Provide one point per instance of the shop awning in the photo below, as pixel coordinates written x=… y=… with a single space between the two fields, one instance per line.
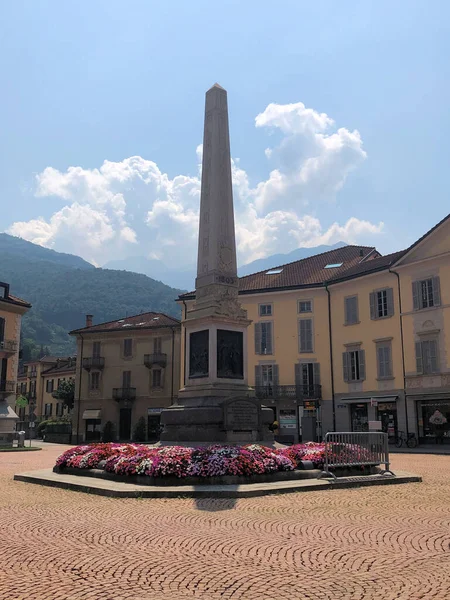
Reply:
x=366 y=399
x=92 y=414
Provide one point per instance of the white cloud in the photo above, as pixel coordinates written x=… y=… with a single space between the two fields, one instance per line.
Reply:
x=131 y=207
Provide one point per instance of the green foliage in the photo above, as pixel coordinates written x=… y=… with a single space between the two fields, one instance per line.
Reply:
x=66 y=392
x=109 y=432
x=140 y=430
x=63 y=288
x=41 y=427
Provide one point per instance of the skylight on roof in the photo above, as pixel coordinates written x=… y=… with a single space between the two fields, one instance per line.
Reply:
x=274 y=271
x=333 y=265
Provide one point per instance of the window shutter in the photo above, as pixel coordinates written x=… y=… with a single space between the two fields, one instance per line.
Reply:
x=306 y=337
x=346 y=365
x=416 y=294
x=269 y=343
x=275 y=376
x=316 y=373
x=380 y=358
x=433 y=356
x=347 y=311
x=436 y=292
x=419 y=358
x=390 y=302
x=372 y=299
x=362 y=364
x=126 y=379
x=2 y=329
x=351 y=310
x=258 y=376
x=258 y=349
x=388 y=361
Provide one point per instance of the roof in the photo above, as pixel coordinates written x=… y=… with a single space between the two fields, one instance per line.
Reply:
x=371 y=266
x=308 y=272
x=150 y=320
x=15 y=300
x=63 y=365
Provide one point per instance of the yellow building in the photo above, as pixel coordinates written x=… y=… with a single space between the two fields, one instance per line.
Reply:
x=63 y=369
x=11 y=311
x=350 y=337
x=126 y=369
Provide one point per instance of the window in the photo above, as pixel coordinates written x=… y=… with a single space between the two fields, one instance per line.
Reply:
x=156 y=378
x=266 y=376
x=157 y=344
x=265 y=310
x=95 y=380
x=333 y=265
x=351 y=310
x=307 y=379
x=426 y=293
x=263 y=338
x=382 y=304
x=354 y=365
x=128 y=348
x=126 y=379
x=96 y=349
x=2 y=329
x=305 y=333
x=49 y=386
x=276 y=271
x=427 y=357
x=48 y=410
x=384 y=362
x=59 y=409
x=305 y=306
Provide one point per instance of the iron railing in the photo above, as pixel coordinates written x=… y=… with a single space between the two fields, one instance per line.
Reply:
x=300 y=392
x=356 y=449
x=8 y=345
x=7 y=387
x=157 y=358
x=93 y=362
x=128 y=393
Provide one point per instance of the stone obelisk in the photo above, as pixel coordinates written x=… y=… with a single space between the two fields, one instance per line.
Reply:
x=216 y=404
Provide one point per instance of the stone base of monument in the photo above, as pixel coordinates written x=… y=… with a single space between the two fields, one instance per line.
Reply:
x=213 y=420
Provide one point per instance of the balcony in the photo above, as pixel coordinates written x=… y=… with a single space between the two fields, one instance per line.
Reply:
x=9 y=346
x=93 y=362
x=7 y=388
x=128 y=393
x=297 y=392
x=158 y=358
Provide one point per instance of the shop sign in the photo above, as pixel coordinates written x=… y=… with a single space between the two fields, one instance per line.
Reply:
x=387 y=406
x=287 y=419
x=154 y=411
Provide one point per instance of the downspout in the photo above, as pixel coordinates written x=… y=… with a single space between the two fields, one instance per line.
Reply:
x=402 y=347
x=79 y=387
x=331 y=357
x=184 y=343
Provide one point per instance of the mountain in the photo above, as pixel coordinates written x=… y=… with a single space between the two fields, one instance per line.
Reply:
x=63 y=288
x=185 y=277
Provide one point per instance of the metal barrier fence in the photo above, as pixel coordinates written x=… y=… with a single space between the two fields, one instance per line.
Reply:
x=356 y=449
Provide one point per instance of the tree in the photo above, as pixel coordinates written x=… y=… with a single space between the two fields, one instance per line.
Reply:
x=66 y=393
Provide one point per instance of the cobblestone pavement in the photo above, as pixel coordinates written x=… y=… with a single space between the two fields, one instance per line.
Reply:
x=381 y=543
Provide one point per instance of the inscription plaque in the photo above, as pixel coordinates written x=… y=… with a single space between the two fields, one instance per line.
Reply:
x=241 y=415
x=199 y=354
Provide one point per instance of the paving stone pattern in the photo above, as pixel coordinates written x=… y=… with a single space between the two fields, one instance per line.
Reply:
x=385 y=543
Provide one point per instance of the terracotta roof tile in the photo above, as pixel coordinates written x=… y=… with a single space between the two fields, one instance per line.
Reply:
x=150 y=320
x=370 y=266
x=15 y=300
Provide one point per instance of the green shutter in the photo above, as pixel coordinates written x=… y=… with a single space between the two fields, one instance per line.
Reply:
x=390 y=302
x=436 y=292
x=346 y=365
x=419 y=358
x=362 y=364
x=416 y=294
x=258 y=349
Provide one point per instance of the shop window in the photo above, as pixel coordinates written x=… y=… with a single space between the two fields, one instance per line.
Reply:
x=434 y=421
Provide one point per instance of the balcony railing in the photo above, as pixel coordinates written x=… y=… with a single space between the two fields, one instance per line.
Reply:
x=128 y=393
x=298 y=392
x=93 y=362
x=8 y=346
x=157 y=358
x=7 y=387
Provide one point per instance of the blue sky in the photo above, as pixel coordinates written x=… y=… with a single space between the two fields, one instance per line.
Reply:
x=88 y=82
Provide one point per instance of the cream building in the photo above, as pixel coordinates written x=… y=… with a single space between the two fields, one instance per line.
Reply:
x=349 y=336
x=126 y=369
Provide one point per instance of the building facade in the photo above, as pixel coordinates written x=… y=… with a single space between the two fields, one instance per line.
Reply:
x=126 y=369
x=53 y=407
x=350 y=337
x=11 y=311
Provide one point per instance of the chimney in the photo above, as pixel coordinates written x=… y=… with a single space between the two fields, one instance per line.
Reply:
x=88 y=320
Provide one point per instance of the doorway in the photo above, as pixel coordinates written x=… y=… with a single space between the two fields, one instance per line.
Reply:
x=387 y=414
x=153 y=428
x=359 y=417
x=125 y=424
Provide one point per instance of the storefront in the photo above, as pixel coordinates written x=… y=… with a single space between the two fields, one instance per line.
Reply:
x=93 y=425
x=354 y=414
x=387 y=414
x=433 y=421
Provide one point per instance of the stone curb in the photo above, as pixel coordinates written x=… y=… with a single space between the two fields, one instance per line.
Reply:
x=114 y=489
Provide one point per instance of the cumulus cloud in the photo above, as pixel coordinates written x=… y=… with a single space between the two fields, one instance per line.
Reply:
x=131 y=207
